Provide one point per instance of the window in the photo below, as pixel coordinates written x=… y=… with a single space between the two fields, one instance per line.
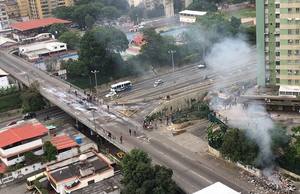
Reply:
x=277 y=54
x=289 y=72
x=277 y=16
x=289 y=82
x=297 y=52
x=297 y=62
x=289 y=31
x=290 y=10
x=277 y=62
x=297 y=41
x=277 y=5
x=297 y=10
x=277 y=25
x=297 y=82
x=297 y=31
x=277 y=44
x=289 y=62
x=290 y=41
x=289 y=52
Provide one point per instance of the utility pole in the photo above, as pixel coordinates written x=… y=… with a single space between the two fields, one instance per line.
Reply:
x=96 y=81
x=171 y=52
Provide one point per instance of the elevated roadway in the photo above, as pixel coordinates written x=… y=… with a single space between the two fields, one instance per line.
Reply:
x=191 y=172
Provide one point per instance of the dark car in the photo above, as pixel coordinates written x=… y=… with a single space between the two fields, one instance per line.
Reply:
x=29 y=115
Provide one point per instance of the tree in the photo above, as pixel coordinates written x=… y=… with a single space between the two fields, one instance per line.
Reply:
x=237 y=147
x=31 y=99
x=99 y=49
x=72 y=39
x=139 y=176
x=89 y=21
x=57 y=29
x=110 y=12
x=155 y=51
x=136 y=13
x=64 y=12
x=50 y=151
x=203 y=5
x=74 y=68
x=30 y=158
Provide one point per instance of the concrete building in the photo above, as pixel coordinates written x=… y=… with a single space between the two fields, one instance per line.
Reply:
x=278 y=43
x=79 y=172
x=13 y=11
x=34 y=30
x=66 y=147
x=189 y=16
x=20 y=138
x=37 y=50
x=37 y=9
x=4 y=23
x=4 y=83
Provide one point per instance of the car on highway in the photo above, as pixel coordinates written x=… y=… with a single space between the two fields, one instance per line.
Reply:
x=29 y=115
x=201 y=66
x=158 y=83
x=110 y=94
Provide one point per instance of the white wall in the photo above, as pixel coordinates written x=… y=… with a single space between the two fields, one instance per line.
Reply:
x=4 y=154
x=4 y=82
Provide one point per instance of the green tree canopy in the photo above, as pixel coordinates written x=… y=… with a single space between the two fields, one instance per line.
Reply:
x=155 y=51
x=57 y=29
x=110 y=12
x=32 y=100
x=139 y=176
x=202 y=5
x=50 y=151
x=72 y=39
x=237 y=147
x=99 y=49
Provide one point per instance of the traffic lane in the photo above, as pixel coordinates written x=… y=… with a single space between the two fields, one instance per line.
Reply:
x=115 y=128
x=196 y=171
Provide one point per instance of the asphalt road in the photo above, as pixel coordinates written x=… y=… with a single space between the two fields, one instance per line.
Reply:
x=191 y=172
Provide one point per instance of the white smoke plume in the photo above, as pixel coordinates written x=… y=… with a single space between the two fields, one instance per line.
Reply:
x=254 y=119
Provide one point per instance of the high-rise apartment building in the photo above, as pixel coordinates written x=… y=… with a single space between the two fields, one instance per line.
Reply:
x=4 y=24
x=37 y=9
x=278 y=43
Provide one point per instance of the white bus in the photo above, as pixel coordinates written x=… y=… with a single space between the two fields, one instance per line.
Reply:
x=30 y=180
x=121 y=86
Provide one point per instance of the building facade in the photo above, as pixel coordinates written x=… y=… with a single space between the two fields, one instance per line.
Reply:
x=4 y=23
x=37 y=9
x=278 y=43
x=18 y=139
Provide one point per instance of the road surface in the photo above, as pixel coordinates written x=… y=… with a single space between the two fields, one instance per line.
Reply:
x=191 y=172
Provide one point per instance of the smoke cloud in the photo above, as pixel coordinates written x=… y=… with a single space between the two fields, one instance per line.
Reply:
x=234 y=54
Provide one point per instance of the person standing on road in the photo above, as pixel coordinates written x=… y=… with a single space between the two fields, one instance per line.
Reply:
x=121 y=139
x=130 y=132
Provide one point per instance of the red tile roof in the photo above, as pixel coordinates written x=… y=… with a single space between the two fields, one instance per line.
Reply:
x=63 y=141
x=2 y=167
x=38 y=23
x=20 y=132
x=138 y=40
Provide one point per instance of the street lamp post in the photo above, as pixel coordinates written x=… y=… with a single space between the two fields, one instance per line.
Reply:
x=96 y=81
x=171 y=52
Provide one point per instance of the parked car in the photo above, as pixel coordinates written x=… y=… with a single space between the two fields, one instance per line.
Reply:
x=110 y=94
x=201 y=66
x=158 y=83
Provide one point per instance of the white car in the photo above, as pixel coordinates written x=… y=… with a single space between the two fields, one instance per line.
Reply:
x=110 y=94
x=201 y=66
x=158 y=82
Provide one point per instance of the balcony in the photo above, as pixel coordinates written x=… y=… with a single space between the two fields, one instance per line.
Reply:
x=21 y=148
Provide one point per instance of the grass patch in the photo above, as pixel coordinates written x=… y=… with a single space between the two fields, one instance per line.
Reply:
x=243 y=13
x=11 y=101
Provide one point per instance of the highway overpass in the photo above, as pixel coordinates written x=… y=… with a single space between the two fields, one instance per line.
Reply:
x=190 y=171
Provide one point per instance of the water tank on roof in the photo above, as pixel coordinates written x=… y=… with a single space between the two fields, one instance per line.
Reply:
x=78 y=140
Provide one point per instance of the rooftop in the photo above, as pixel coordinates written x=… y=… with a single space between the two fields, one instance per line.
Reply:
x=38 y=23
x=21 y=131
x=190 y=12
x=63 y=142
x=217 y=188
x=76 y=167
x=108 y=185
